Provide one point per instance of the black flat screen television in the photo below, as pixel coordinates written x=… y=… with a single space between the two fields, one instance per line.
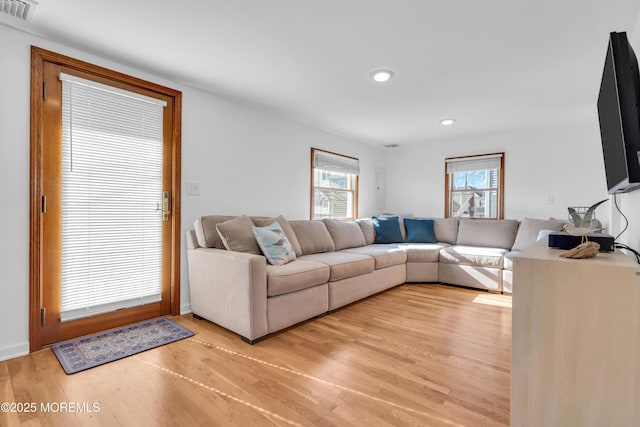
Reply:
x=619 y=116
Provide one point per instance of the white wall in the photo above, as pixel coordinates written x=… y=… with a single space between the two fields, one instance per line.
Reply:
x=248 y=162
x=630 y=202
x=14 y=175
x=563 y=162
x=245 y=160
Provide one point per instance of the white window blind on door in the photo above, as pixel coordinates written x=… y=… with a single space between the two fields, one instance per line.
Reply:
x=111 y=198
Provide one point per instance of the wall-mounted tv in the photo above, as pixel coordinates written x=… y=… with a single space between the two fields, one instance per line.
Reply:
x=619 y=115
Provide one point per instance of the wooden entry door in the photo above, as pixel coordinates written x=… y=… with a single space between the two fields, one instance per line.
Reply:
x=105 y=199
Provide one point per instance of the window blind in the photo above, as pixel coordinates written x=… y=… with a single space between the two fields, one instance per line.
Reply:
x=335 y=163
x=468 y=164
x=111 y=198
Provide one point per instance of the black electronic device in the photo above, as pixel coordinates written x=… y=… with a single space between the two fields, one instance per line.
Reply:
x=564 y=240
x=619 y=116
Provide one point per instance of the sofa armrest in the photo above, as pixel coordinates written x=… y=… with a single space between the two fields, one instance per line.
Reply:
x=230 y=289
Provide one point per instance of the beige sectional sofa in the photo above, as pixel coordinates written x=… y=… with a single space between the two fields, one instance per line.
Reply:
x=337 y=263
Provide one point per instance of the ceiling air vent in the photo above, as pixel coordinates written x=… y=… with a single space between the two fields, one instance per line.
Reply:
x=391 y=145
x=21 y=9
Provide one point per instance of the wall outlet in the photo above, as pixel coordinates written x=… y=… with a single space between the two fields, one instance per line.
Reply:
x=193 y=188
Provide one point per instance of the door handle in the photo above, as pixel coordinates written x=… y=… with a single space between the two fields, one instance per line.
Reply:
x=166 y=210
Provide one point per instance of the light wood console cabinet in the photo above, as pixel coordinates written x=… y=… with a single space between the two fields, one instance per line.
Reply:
x=576 y=340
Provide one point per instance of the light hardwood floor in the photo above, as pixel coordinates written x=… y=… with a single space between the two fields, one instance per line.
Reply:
x=416 y=355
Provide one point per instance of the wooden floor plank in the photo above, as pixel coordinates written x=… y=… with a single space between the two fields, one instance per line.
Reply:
x=416 y=355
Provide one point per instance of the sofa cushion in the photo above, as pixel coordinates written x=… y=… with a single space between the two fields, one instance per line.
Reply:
x=206 y=232
x=446 y=229
x=473 y=255
x=237 y=235
x=422 y=252
x=286 y=227
x=383 y=255
x=296 y=275
x=387 y=229
x=508 y=260
x=274 y=244
x=342 y=264
x=420 y=230
x=313 y=236
x=366 y=225
x=530 y=229
x=345 y=234
x=487 y=233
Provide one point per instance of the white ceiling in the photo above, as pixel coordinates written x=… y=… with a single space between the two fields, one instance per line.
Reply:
x=492 y=64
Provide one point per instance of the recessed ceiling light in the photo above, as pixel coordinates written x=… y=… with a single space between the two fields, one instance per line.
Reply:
x=381 y=76
x=447 y=122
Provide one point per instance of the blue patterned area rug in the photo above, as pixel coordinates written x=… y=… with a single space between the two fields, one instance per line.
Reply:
x=94 y=350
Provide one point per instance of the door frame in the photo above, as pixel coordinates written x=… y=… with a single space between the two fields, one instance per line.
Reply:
x=38 y=57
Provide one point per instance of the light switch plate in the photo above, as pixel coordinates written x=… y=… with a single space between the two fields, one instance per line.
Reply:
x=193 y=188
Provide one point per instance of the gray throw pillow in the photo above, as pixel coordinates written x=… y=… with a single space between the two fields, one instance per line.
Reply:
x=237 y=235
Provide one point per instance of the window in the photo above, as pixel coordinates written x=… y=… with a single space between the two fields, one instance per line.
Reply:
x=334 y=182
x=475 y=186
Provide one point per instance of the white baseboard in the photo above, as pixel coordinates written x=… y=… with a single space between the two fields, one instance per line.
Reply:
x=13 y=351
x=185 y=309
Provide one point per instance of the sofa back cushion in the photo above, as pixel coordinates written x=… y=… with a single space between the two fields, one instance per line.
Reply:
x=487 y=233
x=286 y=227
x=313 y=236
x=206 y=232
x=345 y=234
x=366 y=225
x=446 y=230
x=530 y=228
x=237 y=235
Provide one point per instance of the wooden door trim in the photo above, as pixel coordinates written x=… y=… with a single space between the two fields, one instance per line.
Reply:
x=38 y=57
x=35 y=189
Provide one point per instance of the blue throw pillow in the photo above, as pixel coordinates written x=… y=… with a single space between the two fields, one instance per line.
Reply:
x=420 y=230
x=387 y=229
x=274 y=244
